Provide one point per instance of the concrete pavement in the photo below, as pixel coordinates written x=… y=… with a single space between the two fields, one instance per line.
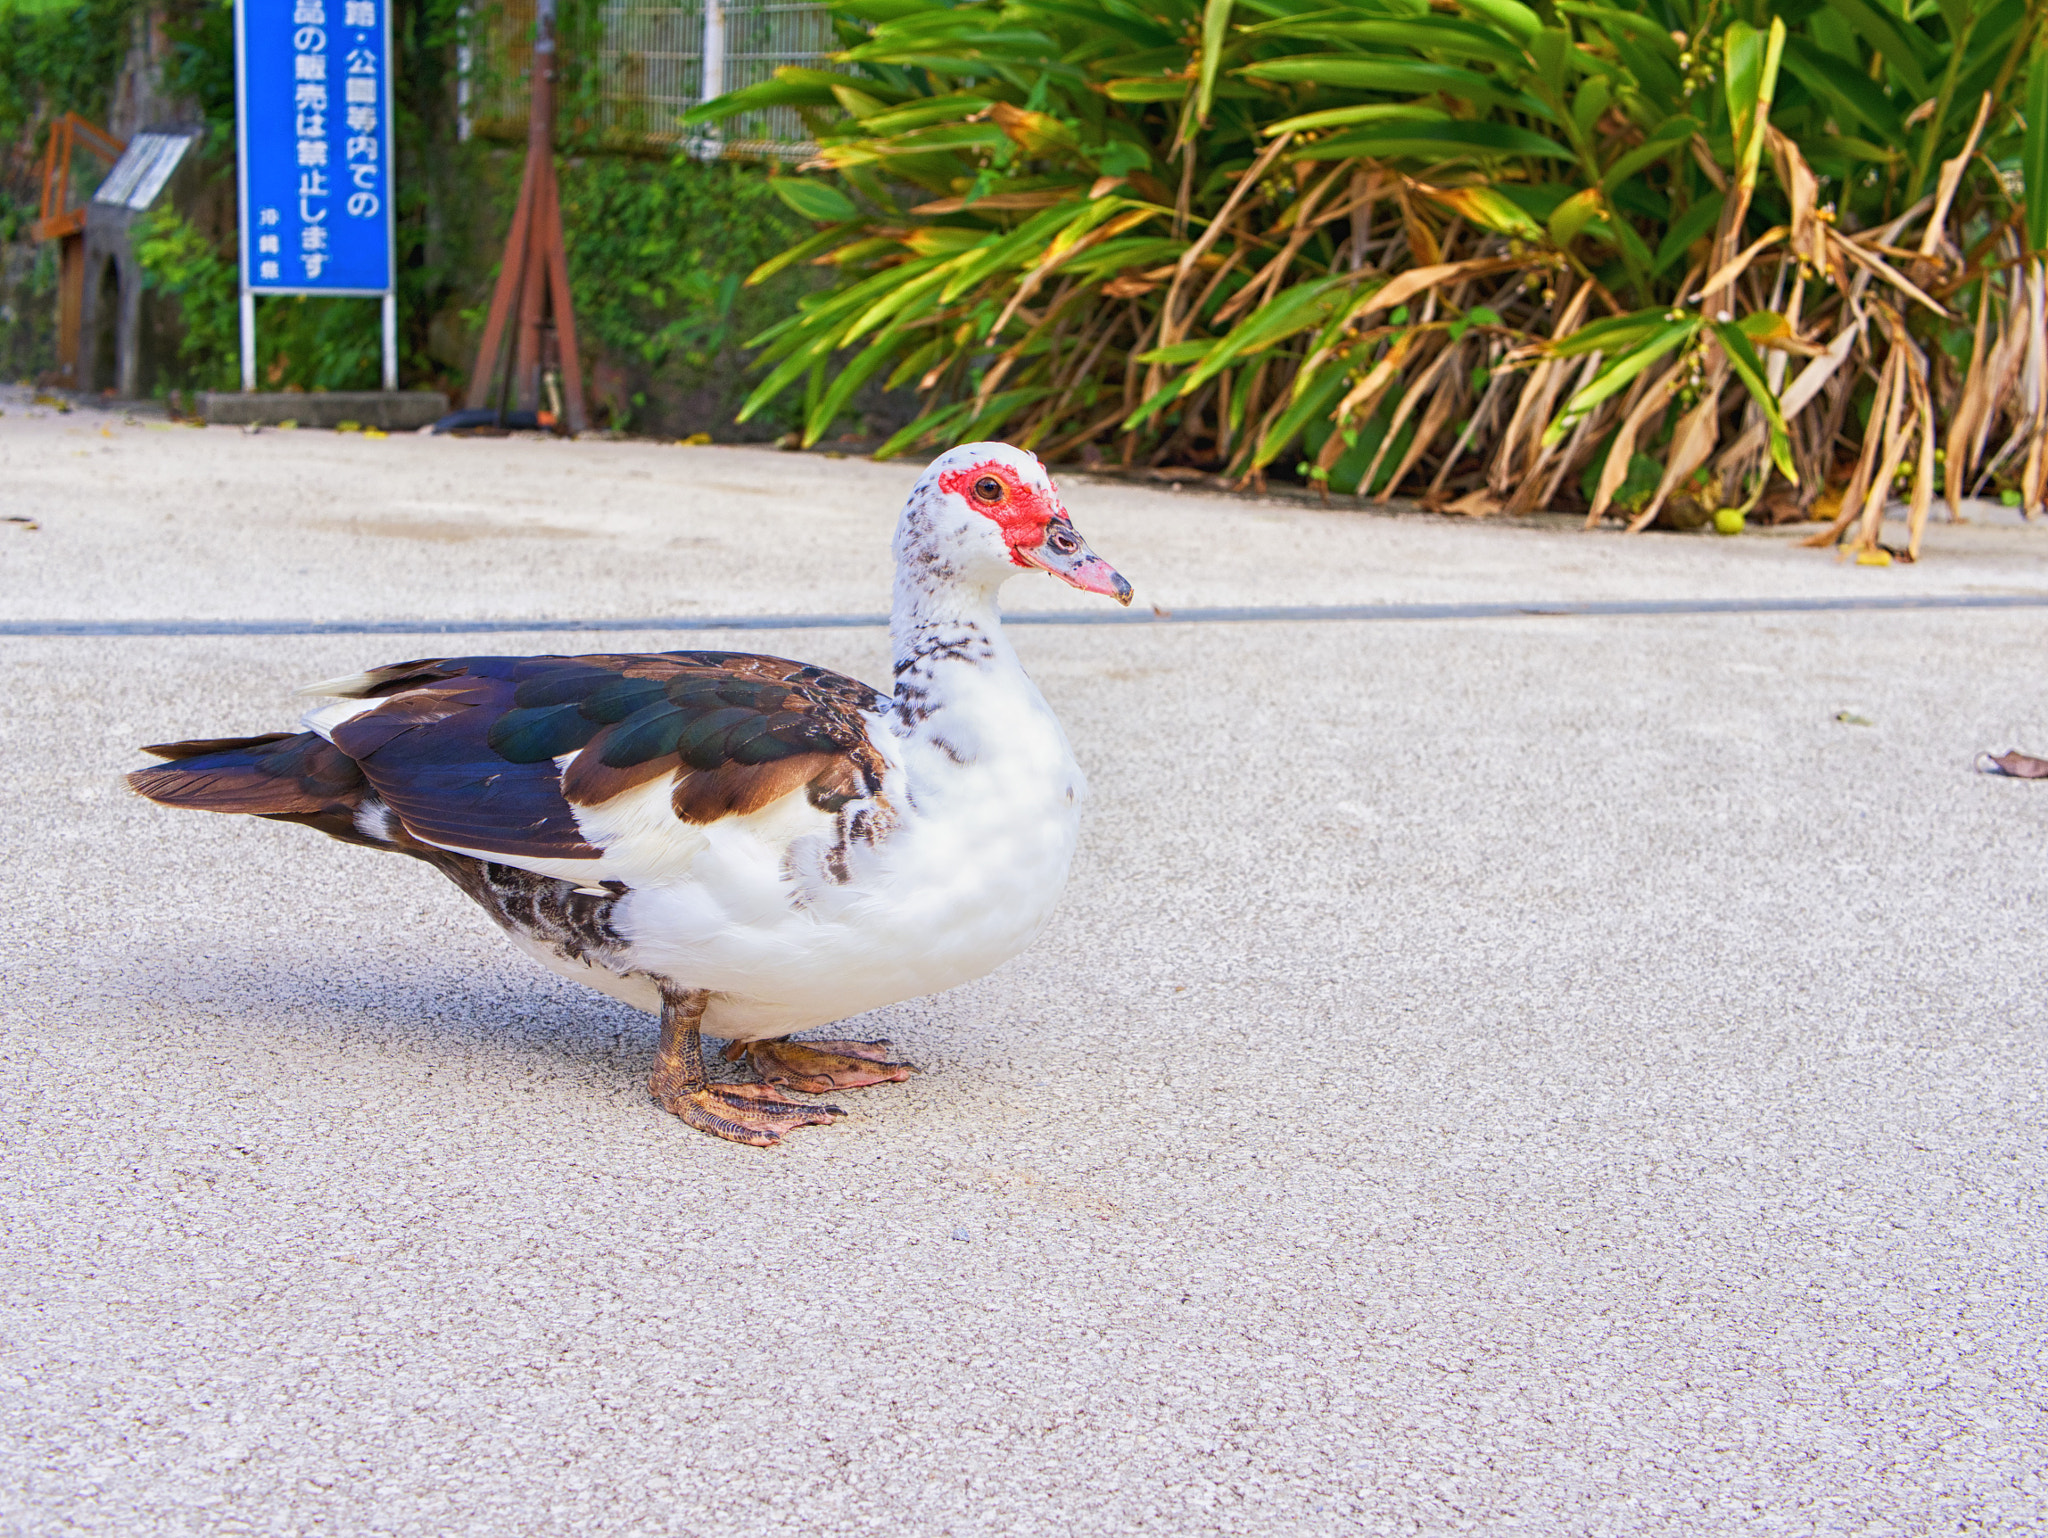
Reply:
x=1545 y=1075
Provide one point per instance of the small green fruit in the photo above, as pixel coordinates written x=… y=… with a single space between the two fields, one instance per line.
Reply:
x=1728 y=520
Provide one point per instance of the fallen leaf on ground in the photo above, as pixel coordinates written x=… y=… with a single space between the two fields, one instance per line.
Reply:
x=1474 y=504
x=2015 y=765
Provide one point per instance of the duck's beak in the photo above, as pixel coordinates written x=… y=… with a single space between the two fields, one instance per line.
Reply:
x=1065 y=554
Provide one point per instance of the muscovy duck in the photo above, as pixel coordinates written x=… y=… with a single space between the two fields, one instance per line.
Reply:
x=744 y=845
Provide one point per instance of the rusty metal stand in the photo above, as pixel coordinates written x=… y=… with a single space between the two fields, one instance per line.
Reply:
x=60 y=221
x=536 y=269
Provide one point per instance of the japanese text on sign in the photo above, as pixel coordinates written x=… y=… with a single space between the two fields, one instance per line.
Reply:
x=315 y=145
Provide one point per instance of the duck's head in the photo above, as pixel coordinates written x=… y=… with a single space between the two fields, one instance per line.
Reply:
x=984 y=511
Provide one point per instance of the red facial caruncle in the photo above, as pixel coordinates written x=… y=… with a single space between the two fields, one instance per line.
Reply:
x=1036 y=529
x=996 y=491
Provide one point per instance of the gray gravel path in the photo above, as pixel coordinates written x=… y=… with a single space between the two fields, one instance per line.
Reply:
x=1535 y=1075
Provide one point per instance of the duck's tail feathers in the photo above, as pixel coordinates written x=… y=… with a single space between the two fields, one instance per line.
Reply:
x=291 y=776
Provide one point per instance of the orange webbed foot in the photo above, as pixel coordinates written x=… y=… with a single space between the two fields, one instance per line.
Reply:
x=755 y=1114
x=819 y=1067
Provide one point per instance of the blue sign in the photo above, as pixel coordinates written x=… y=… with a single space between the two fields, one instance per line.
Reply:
x=313 y=125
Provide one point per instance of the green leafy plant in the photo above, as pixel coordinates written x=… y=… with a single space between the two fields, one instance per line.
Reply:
x=315 y=344
x=55 y=55
x=1501 y=244
x=658 y=254
x=180 y=263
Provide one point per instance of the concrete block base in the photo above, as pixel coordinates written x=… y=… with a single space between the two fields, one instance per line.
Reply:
x=392 y=410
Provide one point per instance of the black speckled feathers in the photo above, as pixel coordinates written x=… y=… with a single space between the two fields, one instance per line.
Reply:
x=463 y=750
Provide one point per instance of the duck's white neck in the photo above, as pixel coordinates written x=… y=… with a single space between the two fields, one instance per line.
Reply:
x=944 y=629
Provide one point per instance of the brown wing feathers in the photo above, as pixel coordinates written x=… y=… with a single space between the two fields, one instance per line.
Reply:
x=705 y=795
x=736 y=732
x=292 y=776
x=465 y=749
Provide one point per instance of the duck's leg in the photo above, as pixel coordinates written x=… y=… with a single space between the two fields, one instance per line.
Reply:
x=819 y=1067
x=755 y=1114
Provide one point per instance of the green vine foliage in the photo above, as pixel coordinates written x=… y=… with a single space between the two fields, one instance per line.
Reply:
x=659 y=247
x=179 y=261
x=658 y=256
x=202 y=67
x=316 y=344
x=54 y=55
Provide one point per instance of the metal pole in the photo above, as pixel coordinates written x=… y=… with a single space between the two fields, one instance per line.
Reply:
x=249 y=341
x=543 y=50
x=714 y=70
x=390 y=340
x=247 y=224
x=465 y=63
x=524 y=383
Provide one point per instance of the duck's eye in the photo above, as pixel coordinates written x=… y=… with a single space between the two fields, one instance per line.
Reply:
x=988 y=489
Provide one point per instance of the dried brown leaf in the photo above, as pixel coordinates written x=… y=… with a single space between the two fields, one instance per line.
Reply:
x=1654 y=399
x=1441 y=407
x=1416 y=279
x=2016 y=765
x=1802 y=190
x=1735 y=266
x=1691 y=443
x=1973 y=402
x=1952 y=178
x=1169 y=324
x=1422 y=382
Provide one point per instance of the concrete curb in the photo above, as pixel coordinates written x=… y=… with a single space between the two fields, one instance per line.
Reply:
x=392 y=410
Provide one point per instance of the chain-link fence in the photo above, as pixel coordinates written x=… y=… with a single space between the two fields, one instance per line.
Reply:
x=638 y=65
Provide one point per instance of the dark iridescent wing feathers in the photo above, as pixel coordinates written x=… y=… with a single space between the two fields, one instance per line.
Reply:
x=465 y=750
